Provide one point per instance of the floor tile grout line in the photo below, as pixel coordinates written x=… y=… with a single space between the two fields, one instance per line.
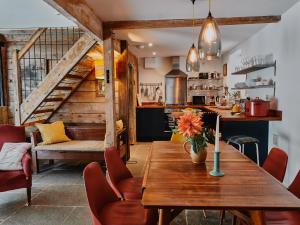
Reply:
x=68 y=216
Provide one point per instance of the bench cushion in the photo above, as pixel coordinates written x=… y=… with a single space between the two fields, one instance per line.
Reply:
x=73 y=145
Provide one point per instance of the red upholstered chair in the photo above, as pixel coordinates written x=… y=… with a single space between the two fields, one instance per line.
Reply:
x=106 y=207
x=11 y=180
x=286 y=217
x=121 y=180
x=276 y=163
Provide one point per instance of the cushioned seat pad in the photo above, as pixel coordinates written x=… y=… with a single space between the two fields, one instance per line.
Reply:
x=74 y=145
x=12 y=180
x=124 y=213
x=282 y=218
x=131 y=188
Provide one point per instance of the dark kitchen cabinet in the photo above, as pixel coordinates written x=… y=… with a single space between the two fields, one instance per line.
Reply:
x=152 y=125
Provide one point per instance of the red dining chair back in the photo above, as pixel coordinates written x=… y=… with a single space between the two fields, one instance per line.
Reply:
x=276 y=163
x=106 y=207
x=98 y=191
x=116 y=169
x=295 y=186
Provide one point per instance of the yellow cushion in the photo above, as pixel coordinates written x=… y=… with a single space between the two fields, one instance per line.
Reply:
x=119 y=125
x=53 y=133
x=176 y=137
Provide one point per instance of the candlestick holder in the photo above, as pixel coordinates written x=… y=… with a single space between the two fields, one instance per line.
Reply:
x=216 y=172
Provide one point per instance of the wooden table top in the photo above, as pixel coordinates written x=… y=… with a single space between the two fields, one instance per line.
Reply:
x=173 y=181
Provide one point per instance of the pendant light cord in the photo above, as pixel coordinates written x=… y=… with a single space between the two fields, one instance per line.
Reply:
x=193 y=22
x=209 y=8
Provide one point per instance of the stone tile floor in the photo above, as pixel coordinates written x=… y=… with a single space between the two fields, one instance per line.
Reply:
x=58 y=197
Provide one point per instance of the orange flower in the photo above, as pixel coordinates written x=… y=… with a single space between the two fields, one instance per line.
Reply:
x=189 y=125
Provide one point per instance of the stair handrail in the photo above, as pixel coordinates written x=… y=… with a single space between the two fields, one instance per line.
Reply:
x=34 y=37
x=17 y=56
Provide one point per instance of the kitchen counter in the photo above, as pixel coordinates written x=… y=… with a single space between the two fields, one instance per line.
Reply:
x=226 y=115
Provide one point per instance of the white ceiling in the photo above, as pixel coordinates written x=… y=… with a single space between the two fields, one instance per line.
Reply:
x=20 y=14
x=176 y=41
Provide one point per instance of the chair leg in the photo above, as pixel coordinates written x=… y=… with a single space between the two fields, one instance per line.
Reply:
x=28 y=196
x=243 y=149
x=257 y=154
x=222 y=216
x=234 y=218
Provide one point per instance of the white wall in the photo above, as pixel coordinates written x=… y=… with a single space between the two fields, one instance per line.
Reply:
x=15 y=14
x=164 y=65
x=283 y=40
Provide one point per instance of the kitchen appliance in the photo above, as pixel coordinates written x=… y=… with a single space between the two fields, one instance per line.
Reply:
x=257 y=107
x=176 y=85
x=199 y=100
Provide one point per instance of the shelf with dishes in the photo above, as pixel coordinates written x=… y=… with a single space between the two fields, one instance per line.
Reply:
x=255 y=63
x=253 y=69
x=254 y=87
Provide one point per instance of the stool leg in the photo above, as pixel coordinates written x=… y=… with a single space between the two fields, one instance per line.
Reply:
x=243 y=149
x=257 y=154
x=240 y=148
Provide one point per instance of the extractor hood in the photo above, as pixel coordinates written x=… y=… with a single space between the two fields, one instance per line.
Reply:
x=176 y=72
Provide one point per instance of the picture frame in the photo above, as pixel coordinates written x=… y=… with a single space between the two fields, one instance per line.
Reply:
x=225 y=69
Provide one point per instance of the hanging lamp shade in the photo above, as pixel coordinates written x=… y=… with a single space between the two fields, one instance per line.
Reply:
x=193 y=60
x=209 y=43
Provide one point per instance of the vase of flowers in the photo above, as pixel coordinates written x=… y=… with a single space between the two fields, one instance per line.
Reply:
x=190 y=126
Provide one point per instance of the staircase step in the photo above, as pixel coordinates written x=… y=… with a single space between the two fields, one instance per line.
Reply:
x=43 y=111
x=71 y=76
x=63 y=88
x=53 y=100
x=85 y=64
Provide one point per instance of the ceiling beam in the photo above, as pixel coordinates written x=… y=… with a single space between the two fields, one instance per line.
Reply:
x=173 y=23
x=81 y=14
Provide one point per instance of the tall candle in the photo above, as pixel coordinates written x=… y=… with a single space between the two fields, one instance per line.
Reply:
x=217 y=135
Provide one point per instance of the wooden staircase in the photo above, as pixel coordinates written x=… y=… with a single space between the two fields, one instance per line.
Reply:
x=59 y=83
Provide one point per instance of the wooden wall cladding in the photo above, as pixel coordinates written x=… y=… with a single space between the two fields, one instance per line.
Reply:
x=3 y=114
x=83 y=106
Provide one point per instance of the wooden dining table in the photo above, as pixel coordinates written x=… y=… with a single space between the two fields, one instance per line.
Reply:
x=173 y=183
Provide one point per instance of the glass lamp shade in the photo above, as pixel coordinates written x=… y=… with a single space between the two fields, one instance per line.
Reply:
x=209 y=43
x=193 y=60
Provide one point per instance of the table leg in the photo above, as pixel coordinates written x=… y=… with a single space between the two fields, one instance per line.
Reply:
x=258 y=217
x=164 y=217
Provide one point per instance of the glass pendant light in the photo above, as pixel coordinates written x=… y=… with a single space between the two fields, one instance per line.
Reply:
x=193 y=58
x=209 y=43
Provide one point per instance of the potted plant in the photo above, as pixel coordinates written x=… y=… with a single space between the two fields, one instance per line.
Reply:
x=191 y=127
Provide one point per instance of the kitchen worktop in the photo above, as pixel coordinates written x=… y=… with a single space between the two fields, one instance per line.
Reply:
x=226 y=115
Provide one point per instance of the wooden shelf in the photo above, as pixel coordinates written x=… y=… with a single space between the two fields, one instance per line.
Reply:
x=254 y=68
x=256 y=87
x=200 y=79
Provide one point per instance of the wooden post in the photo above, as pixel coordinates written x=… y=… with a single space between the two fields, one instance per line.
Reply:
x=110 y=108
x=133 y=77
x=17 y=87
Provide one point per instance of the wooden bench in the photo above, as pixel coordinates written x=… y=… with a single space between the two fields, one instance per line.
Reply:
x=87 y=143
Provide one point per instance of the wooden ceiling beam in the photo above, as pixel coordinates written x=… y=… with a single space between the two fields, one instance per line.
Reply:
x=173 y=23
x=79 y=12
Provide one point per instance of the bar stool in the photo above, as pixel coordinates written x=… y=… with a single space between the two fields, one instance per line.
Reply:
x=242 y=140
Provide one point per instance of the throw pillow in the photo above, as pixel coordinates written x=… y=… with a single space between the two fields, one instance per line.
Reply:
x=53 y=133
x=11 y=155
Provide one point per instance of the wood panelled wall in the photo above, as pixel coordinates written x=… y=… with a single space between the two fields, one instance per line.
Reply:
x=83 y=106
x=16 y=39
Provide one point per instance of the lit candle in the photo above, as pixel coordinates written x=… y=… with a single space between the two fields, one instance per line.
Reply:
x=217 y=135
